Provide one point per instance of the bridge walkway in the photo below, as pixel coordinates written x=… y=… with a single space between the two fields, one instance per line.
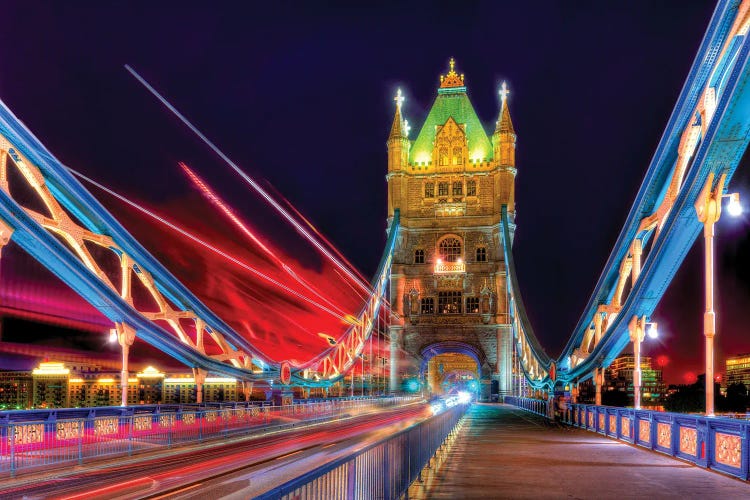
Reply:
x=504 y=452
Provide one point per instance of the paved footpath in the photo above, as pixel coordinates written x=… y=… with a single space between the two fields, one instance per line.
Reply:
x=503 y=452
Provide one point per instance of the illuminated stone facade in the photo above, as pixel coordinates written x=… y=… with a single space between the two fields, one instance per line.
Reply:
x=448 y=277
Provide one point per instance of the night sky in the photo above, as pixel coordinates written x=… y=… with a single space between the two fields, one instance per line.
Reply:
x=300 y=96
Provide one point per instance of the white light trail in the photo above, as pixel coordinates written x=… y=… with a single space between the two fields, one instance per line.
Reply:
x=250 y=181
x=208 y=246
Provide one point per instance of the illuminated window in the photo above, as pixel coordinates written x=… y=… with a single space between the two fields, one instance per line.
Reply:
x=443 y=189
x=472 y=305
x=427 y=305
x=419 y=256
x=458 y=188
x=450 y=249
x=471 y=188
x=481 y=254
x=443 y=156
x=458 y=156
x=429 y=190
x=449 y=302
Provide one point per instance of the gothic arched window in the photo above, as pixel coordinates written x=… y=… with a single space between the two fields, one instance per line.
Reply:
x=443 y=156
x=458 y=156
x=450 y=249
x=419 y=256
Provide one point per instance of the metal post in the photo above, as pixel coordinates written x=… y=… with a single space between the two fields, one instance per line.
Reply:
x=708 y=208
x=636 y=328
x=393 y=385
x=199 y=376
x=598 y=381
x=125 y=337
x=709 y=317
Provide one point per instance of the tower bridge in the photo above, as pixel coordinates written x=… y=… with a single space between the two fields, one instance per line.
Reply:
x=446 y=291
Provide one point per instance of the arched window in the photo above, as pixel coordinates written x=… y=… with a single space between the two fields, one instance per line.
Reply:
x=429 y=190
x=458 y=156
x=481 y=254
x=471 y=188
x=450 y=249
x=458 y=188
x=419 y=256
x=443 y=156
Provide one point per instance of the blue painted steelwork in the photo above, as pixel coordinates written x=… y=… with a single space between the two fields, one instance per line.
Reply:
x=722 y=64
x=369 y=314
x=719 y=152
x=45 y=247
x=52 y=254
x=519 y=319
x=722 y=444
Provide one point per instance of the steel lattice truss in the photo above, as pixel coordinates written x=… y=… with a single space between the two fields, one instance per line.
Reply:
x=72 y=234
x=702 y=145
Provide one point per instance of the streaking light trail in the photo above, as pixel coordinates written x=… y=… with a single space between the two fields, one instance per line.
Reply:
x=219 y=203
x=323 y=238
x=251 y=182
x=207 y=245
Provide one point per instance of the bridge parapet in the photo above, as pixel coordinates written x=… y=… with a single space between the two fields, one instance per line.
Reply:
x=718 y=443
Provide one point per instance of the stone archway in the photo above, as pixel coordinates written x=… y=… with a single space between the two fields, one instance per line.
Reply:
x=450 y=367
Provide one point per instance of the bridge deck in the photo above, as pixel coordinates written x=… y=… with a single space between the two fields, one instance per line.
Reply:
x=503 y=452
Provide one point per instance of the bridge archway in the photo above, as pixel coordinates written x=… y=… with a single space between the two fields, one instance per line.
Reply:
x=451 y=366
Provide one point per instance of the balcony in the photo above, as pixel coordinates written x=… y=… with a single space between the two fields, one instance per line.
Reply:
x=450 y=209
x=450 y=267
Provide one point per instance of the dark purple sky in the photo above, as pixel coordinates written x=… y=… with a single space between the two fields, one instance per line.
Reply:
x=301 y=96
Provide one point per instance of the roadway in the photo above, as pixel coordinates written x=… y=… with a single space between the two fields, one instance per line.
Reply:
x=504 y=452
x=241 y=468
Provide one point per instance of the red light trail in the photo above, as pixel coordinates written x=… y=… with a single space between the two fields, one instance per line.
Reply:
x=219 y=203
x=253 y=184
x=209 y=246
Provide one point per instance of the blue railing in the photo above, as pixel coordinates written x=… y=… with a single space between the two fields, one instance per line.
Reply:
x=384 y=470
x=537 y=406
x=64 y=438
x=717 y=443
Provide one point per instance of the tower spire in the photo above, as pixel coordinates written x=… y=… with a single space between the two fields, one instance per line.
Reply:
x=398 y=140
x=398 y=126
x=452 y=79
x=504 y=123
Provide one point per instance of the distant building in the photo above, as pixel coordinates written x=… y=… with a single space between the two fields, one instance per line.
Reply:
x=100 y=389
x=619 y=377
x=150 y=386
x=57 y=385
x=50 y=386
x=15 y=390
x=738 y=370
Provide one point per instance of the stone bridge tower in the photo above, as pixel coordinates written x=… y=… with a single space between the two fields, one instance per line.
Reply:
x=448 y=291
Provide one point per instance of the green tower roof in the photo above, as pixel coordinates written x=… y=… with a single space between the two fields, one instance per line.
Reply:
x=452 y=102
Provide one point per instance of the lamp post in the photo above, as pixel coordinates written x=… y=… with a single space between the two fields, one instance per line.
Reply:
x=638 y=328
x=708 y=208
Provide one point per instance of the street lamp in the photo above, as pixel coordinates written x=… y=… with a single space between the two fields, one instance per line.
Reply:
x=708 y=208
x=638 y=327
